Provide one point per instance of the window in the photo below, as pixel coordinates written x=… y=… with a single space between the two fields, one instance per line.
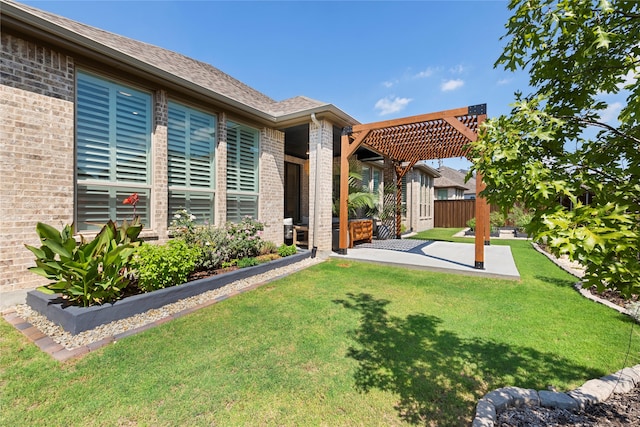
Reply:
x=191 y=162
x=372 y=181
x=425 y=195
x=113 y=139
x=443 y=194
x=242 y=172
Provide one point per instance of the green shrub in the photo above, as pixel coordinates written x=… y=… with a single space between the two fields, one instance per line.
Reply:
x=221 y=245
x=162 y=266
x=266 y=247
x=472 y=223
x=88 y=273
x=497 y=219
x=286 y=250
x=520 y=217
x=247 y=262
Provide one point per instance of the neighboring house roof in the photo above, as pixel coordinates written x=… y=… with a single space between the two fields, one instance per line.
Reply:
x=443 y=182
x=165 y=64
x=428 y=169
x=455 y=178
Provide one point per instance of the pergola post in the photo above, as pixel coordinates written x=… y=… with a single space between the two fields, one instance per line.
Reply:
x=483 y=224
x=344 y=193
x=481 y=213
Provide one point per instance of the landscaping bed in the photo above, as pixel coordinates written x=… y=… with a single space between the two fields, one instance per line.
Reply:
x=75 y=319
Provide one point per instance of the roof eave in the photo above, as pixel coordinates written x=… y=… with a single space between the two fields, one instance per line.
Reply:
x=54 y=34
x=326 y=111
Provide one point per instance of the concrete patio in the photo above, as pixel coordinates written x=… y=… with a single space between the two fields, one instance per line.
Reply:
x=436 y=256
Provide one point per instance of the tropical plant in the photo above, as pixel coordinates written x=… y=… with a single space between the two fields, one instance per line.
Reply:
x=359 y=198
x=584 y=59
x=162 y=266
x=88 y=273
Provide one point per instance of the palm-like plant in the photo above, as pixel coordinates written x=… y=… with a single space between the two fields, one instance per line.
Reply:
x=358 y=198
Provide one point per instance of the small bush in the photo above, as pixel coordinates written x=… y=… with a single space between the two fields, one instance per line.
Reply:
x=267 y=257
x=472 y=223
x=520 y=217
x=497 y=219
x=247 y=262
x=220 y=246
x=266 y=247
x=162 y=266
x=286 y=250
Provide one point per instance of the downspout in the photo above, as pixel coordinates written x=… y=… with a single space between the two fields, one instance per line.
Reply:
x=320 y=127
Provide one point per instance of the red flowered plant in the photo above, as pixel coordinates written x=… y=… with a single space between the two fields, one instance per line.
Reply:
x=132 y=200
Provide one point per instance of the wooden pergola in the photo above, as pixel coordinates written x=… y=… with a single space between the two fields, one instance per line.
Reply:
x=409 y=140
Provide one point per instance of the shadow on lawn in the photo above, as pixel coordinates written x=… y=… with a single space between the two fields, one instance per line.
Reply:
x=438 y=376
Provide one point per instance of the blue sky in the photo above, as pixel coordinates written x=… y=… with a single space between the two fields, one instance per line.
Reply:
x=374 y=60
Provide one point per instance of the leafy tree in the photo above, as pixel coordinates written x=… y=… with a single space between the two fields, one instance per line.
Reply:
x=558 y=141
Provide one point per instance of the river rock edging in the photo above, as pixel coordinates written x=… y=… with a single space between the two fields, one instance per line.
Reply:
x=591 y=392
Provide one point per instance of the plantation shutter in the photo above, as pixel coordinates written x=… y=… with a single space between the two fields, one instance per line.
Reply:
x=242 y=172
x=191 y=147
x=113 y=139
x=191 y=163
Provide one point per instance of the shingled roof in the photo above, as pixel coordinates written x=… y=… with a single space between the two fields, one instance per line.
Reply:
x=166 y=63
x=452 y=178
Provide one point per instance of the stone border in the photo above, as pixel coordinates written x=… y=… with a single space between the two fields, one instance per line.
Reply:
x=75 y=319
x=591 y=392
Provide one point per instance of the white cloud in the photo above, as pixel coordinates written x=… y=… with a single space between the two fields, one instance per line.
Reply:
x=428 y=72
x=391 y=104
x=451 y=85
x=503 y=82
x=390 y=83
x=630 y=78
x=610 y=114
x=458 y=69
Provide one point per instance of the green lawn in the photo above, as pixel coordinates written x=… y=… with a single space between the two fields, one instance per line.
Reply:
x=341 y=343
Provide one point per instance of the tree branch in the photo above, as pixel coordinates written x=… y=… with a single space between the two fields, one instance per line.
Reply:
x=602 y=125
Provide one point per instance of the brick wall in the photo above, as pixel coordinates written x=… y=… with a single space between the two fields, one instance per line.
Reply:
x=36 y=145
x=271 y=181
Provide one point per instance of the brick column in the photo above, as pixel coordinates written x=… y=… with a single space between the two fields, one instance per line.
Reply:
x=323 y=211
x=159 y=153
x=220 y=209
x=271 y=180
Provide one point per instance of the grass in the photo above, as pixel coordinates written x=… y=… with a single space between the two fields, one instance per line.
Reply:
x=341 y=343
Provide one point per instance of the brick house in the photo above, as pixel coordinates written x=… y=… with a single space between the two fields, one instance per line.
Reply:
x=90 y=117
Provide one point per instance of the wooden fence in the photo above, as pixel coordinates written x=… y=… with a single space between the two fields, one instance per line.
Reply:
x=454 y=213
